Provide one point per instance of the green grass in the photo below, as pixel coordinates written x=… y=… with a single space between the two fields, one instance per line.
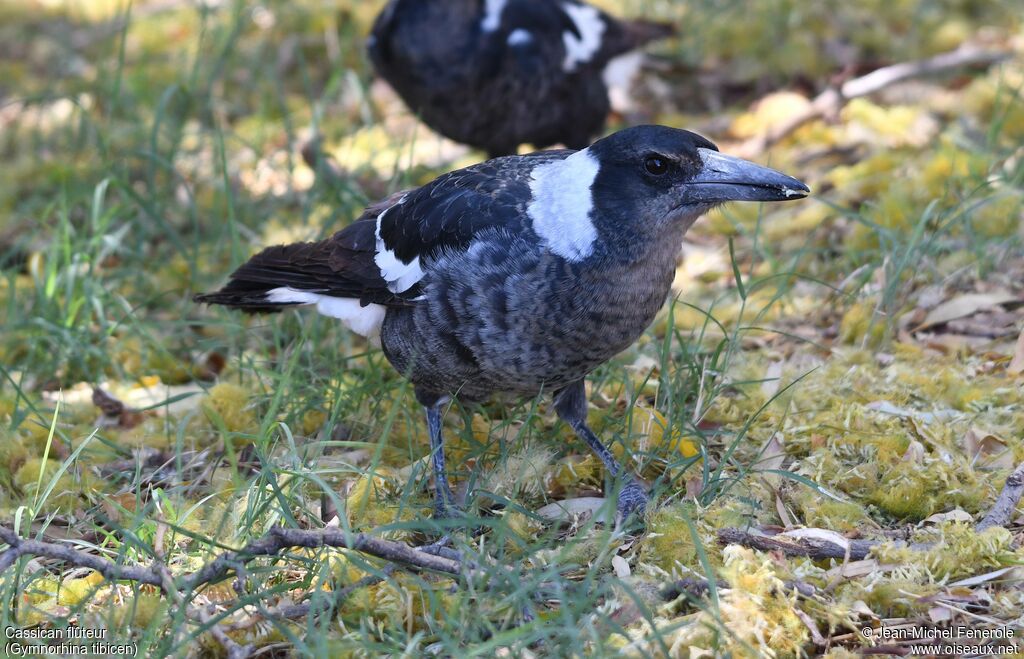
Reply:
x=148 y=150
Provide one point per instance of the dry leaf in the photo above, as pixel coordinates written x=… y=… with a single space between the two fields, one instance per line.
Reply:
x=1016 y=366
x=956 y=515
x=772 y=379
x=979 y=579
x=988 y=451
x=965 y=305
x=818 y=535
x=621 y=567
x=565 y=510
x=773 y=455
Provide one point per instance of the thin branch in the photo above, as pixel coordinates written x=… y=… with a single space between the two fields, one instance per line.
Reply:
x=816 y=548
x=108 y=568
x=1005 y=506
x=278 y=539
x=831 y=101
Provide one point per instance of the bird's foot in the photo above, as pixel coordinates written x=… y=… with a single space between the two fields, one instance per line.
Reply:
x=632 y=500
x=444 y=504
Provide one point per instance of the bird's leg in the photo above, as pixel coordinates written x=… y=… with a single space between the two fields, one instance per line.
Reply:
x=571 y=405
x=444 y=498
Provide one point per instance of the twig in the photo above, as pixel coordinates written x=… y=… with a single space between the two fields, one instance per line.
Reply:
x=278 y=539
x=272 y=544
x=233 y=648
x=1003 y=509
x=108 y=568
x=829 y=102
x=816 y=548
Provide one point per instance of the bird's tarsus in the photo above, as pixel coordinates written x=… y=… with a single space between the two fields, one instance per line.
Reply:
x=571 y=405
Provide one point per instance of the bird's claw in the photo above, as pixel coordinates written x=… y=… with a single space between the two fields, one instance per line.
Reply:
x=632 y=500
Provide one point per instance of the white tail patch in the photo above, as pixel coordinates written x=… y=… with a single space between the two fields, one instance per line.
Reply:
x=619 y=75
x=562 y=202
x=590 y=26
x=399 y=275
x=361 y=320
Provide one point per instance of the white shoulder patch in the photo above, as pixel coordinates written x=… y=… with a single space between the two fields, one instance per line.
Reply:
x=399 y=275
x=579 y=49
x=519 y=37
x=492 y=15
x=361 y=320
x=562 y=203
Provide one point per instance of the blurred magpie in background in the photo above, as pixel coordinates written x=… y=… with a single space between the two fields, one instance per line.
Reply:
x=495 y=74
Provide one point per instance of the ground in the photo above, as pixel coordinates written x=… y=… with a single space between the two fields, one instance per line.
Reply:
x=842 y=369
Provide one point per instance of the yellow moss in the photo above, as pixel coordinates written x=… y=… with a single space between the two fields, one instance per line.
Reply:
x=574 y=473
x=313 y=421
x=75 y=591
x=757 y=610
x=860 y=325
x=893 y=125
x=649 y=425
x=669 y=542
x=998 y=218
x=818 y=510
x=868 y=178
x=911 y=491
x=955 y=550
x=769 y=112
x=230 y=404
x=139 y=612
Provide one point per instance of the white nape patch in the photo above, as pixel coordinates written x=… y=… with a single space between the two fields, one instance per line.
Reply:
x=361 y=320
x=619 y=75
x=562 y=202
x=399 y=275
x=579 y=49
x=519 y=37
x=492 y=15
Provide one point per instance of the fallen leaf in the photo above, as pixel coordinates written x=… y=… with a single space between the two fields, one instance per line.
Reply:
x=772 y=379
x=621 y=567
x=979 y=579
x=988 y=450
x=965 y=305
x=819 y=535
x=939 y=614
x=955 y=515
x=773 y=455
x=565 y=510
x=1016 y=366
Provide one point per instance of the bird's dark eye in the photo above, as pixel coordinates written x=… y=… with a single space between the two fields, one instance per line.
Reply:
x=656 y=165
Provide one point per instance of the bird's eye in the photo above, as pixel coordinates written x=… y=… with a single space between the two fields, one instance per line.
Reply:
x=656 y=165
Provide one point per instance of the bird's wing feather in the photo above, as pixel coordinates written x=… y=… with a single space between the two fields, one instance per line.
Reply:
x=411 y=227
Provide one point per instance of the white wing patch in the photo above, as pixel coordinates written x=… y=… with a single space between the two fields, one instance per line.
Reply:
x=519 y=37
x=492 y=15
x=562 y=203
x=361 y=320
x=399 y=275
x=579 y=49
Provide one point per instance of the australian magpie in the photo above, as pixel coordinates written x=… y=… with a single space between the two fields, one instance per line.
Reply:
x=497 y=73
x=518 y=275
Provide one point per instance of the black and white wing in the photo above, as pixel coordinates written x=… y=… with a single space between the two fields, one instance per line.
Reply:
x=381 y=259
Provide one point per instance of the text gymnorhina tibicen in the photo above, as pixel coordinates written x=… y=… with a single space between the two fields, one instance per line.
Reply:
x=518 y=275
x=495 y=74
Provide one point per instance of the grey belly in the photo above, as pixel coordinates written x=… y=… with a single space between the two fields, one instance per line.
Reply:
x=508 y=317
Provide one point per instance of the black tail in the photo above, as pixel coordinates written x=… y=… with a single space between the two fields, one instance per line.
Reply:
x=642 y=32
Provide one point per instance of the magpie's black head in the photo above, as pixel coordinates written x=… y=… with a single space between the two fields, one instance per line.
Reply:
x=651 y=176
